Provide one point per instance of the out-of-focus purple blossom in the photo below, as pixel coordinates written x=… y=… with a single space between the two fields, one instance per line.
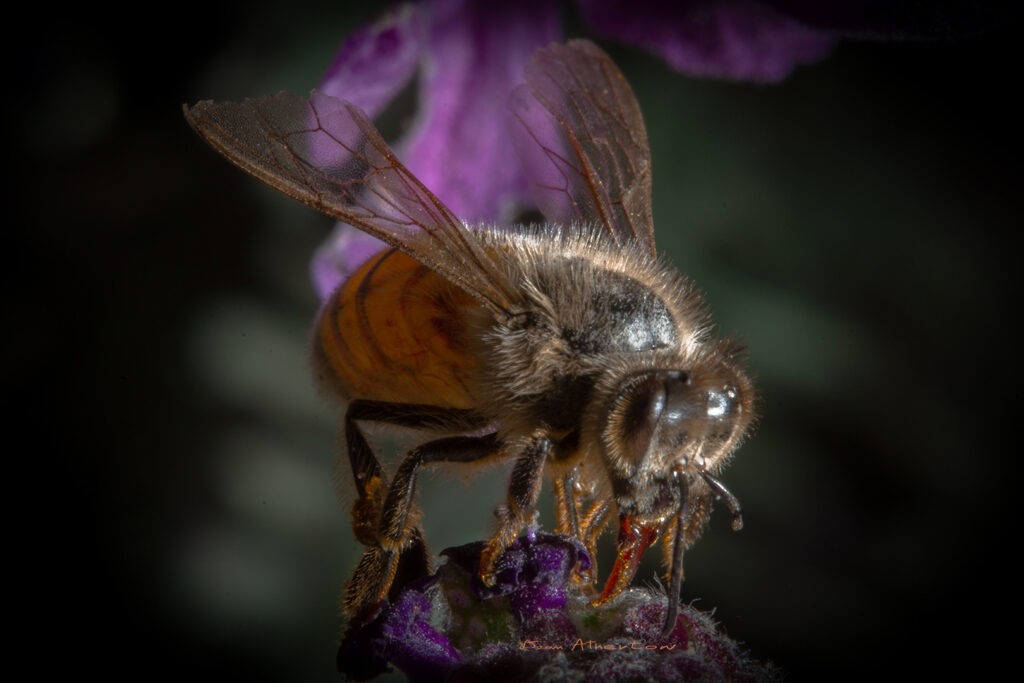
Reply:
x=535 y=623
x=733 y=39
x=470 y=54
x=339 y=256
x=376 y=61
x=459 y=144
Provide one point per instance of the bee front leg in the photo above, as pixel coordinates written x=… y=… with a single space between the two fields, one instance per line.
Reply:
x=521 y=508
x=566 y=505
x=568 y=512
x=591 y=527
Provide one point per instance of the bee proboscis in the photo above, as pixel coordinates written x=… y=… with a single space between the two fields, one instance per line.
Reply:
x=568 y=348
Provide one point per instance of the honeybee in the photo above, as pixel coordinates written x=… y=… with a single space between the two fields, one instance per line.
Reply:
x=568 y=348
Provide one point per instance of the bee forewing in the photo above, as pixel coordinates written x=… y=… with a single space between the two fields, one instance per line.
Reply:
x=580 y=136
x=327 y=154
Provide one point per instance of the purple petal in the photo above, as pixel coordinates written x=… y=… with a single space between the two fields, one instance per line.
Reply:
x=377 y=61
x=541 y=147
x=474 y=54
x=497 y=662
x=370 y=69
x=736 y=39
x=413 y=644
x=646 y=620
x=459 y=146
x=443 y=627
x=533 y=559
x=401 y=635
x=340 y=256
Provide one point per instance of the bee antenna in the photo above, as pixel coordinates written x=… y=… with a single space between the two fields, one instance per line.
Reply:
x=730 y=499
x=676 y=570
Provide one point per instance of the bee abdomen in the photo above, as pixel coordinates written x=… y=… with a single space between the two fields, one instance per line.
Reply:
x=396 y=331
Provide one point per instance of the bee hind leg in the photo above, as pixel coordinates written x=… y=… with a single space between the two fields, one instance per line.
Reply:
x=396 y=551
x=401 y=554
x=398 y=509
x=368 y=476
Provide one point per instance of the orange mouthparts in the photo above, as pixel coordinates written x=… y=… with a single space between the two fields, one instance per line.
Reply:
x=633 y=541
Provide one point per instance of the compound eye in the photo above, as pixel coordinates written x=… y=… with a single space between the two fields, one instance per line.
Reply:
x=635 y=418
x=723 y=403
x=682 y=403
x=646 y=403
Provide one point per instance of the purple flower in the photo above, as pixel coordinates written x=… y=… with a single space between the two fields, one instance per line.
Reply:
x=535 y=622
x=732 y=39
x=470 y=54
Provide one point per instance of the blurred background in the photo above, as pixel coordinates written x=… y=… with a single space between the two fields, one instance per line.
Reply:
x=858 y=224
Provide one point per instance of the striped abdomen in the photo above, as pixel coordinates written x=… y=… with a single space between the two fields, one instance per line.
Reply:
x=396 y=332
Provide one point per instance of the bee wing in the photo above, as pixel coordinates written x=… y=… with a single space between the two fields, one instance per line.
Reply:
x=580 y=135
x=328 y=155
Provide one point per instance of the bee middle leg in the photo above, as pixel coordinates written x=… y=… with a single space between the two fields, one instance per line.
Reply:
x=571 y=522
x=521 y=508
x=566 y=504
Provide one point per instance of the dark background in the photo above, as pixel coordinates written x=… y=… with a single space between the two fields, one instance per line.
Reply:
x=173 y=513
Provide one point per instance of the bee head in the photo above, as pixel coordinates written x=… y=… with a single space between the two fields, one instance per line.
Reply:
x=661 y=425
x=666 y=435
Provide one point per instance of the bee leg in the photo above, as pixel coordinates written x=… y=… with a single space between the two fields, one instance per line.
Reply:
x=567 y=511
x=399 y=536
x=400 y=554
x=566 y=505
x=369 y=478
x=675 y=567
x=591 y=527
x=521 y=509
x=381 y=573
x=381 y=568
x=365 y=467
